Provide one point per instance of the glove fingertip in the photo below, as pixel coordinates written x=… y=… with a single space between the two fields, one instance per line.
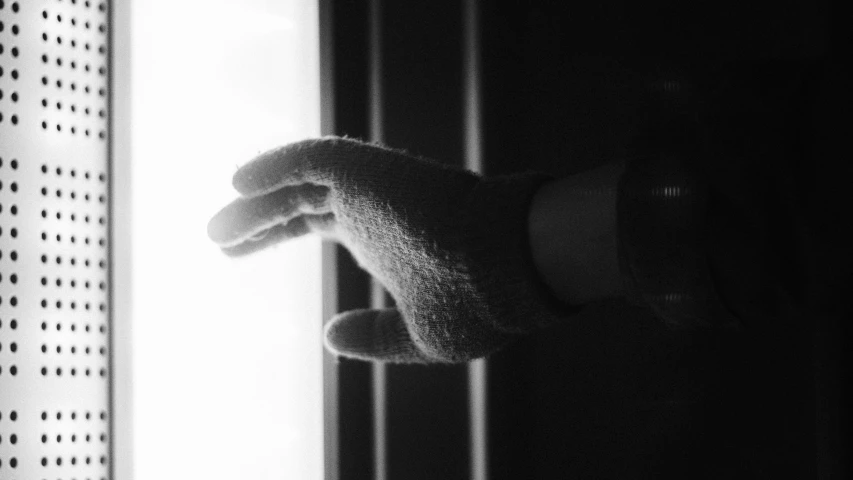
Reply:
x=244 y=181
x=260 y=173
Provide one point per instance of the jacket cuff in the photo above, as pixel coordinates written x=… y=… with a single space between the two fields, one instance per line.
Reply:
x=661 y=212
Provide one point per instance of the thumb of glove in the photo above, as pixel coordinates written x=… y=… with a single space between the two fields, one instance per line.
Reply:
x=374 y=335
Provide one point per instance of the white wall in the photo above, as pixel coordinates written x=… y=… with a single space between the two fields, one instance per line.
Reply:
x=226 y=355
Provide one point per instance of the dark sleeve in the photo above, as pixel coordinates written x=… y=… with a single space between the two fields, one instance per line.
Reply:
x=711 y=206
x=661 y=211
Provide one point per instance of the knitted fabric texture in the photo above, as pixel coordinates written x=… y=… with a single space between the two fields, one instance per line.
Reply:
x=449 y=246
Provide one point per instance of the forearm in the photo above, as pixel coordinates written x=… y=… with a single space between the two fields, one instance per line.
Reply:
x=572 y=231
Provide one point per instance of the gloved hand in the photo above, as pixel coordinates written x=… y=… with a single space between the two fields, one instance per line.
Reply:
x=450 y=247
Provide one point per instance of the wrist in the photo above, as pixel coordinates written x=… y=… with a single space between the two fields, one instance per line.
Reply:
x=573 y=236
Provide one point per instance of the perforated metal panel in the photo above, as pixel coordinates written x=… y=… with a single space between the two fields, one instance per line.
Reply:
x=54 y=324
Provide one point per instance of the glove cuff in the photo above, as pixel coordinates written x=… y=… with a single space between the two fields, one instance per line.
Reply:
x=510 y=290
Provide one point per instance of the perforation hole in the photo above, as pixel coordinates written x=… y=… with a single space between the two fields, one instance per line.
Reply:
x=49 y=234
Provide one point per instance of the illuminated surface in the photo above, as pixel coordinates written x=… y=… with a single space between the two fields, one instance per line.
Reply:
x=227 y=372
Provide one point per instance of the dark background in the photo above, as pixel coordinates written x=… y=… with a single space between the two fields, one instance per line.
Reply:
x=613 y=393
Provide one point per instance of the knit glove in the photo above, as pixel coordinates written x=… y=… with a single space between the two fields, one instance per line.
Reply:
x=450 y=247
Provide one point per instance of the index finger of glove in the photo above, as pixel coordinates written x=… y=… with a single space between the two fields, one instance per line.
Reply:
x=292 y=164
x=246 y=217
x=295 y=228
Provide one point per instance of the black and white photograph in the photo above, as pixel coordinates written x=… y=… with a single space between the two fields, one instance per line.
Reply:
x=425 y=240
